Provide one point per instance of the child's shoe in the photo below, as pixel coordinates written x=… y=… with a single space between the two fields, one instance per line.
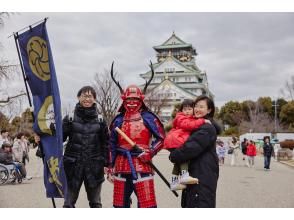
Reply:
x=187 y=179
x=175 y=185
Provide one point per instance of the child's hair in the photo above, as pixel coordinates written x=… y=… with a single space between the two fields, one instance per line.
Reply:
x=186 y=103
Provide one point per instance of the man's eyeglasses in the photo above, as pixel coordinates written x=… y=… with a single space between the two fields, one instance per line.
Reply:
x=87 y=96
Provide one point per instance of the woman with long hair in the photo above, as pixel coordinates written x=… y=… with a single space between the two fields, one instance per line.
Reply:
x=200 y=151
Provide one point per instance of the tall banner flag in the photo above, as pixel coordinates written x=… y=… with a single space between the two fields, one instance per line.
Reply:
x=38 y=67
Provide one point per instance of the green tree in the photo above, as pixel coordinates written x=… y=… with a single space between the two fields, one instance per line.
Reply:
x=15 y=125
x=231 y=113
x=4 y=121
x=232 y=131
x=266 y=105
x=280 y=102
x=247 y=106
x=287 y=114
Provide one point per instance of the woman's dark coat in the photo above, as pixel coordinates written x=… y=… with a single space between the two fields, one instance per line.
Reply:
x=200 y=151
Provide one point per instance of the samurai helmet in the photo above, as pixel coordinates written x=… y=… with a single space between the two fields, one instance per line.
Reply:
x=132 y=91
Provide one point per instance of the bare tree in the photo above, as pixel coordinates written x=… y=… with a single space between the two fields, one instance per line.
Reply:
x=10 y=99
x=156 y=101
x=288 y=90
x=7 y=71
x=15 y=106
x=108 y=95
x=259 y=121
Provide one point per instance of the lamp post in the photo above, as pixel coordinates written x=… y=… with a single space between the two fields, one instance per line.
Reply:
x=275 y=105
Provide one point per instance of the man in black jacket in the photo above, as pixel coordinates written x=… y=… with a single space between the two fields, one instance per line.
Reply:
x=86 y=152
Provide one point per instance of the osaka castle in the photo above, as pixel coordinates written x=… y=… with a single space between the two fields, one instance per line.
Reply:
x=176 y=77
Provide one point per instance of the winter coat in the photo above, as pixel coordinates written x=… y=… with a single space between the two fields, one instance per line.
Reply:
x=244 y=147
x=200 y=150
x=251 y=150
x=235 y=147
x=268 y=149
x=182 y=127
x=6 y=157
x=221 y=150
x=86 y=152
x=20 y=150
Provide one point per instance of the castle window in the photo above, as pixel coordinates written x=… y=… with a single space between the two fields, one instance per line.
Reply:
x=169 y=70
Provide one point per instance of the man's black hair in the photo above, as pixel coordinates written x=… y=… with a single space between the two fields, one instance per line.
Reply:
x=87 y=89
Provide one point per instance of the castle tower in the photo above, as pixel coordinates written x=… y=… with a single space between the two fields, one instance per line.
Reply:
x=177 y=77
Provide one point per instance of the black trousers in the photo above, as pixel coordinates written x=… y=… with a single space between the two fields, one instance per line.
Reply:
x=93 y=195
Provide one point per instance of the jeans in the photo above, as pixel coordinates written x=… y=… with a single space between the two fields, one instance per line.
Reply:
x=267 y=162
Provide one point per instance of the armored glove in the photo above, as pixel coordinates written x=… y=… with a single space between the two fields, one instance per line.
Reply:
x=145 y=156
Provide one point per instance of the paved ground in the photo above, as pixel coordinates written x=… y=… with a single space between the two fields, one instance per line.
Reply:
x=238 y=186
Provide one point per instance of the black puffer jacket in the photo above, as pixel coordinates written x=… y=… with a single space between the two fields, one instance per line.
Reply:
x=268 y=149
x=200 y=151
x=86 y=153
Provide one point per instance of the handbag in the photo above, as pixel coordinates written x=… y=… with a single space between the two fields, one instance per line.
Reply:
x=231 y=150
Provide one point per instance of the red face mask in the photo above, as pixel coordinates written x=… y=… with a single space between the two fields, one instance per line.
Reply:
x=132 y=105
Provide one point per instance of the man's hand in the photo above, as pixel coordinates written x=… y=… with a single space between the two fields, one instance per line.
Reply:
x=109 y=172
x=145 y=156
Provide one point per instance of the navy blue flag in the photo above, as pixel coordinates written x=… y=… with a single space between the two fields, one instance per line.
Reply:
x=39 y=69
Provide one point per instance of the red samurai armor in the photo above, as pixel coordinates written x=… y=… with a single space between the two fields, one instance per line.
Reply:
x=131 y=169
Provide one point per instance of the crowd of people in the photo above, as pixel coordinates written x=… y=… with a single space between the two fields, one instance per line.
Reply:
x=15 y=151
x=248 y=149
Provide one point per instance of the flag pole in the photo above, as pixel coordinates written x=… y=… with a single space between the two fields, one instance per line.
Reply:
x=27 y=91
x=29 y=26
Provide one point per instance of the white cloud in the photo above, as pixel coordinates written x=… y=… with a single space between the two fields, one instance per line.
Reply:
x=244 y=54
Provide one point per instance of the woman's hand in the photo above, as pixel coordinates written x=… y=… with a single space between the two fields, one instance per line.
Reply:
x=207 y=121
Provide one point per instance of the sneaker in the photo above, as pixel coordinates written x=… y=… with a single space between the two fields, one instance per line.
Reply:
x=28 y=178
x=187 y=179
x=175 y=185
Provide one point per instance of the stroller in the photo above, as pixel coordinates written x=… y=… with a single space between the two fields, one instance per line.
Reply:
x=10 y=174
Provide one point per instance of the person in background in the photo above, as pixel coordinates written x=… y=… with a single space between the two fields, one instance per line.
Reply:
x=235 y=146
x=221 y=152
x=20 y=148
x=277 y=147
x=251 y=153
x=3 y=136
x=244 y=149
x=6 y=158
x=267 y=152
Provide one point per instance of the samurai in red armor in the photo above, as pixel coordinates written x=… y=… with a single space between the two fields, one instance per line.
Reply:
x=131 y=171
